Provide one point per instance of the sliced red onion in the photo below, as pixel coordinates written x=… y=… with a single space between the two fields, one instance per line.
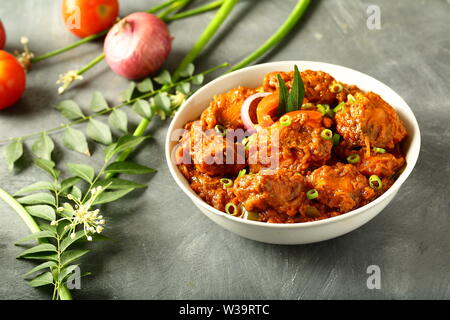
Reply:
x=245 y=111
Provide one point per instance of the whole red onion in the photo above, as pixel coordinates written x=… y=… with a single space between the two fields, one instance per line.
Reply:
x=2 y=36
x=137 y=45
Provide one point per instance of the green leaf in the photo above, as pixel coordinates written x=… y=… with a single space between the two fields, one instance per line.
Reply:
x=184 y=88
x=198 y=79
x=283 y=100
x=44 y=247
x=48 y=227
x=36 y=235
x=44 y=265
x=38 y=198
x=48 y=166
x=126 y=95
x=98 y=131
x=70 y=109
x=162 y=102
x=143 y=108
x=163 y=78
x=145 y=85
x=71 y=255
x=41 y=257
x=98 y=102
x=76 y=193
x=106 y=197
x=42 y=211
x=64 y=292
x=66 y=271
x=118 y=184
x=82 y=171
x=13 y=152
x=68 y=240
x=297 y=92
x=37 y=186
x=187 y=71
x=43 y=147
x=68 y=183
x=76 y=140
x=109 y=152
x=124 y=143
x=128 y=168
x=42 y=280
x=118 y=120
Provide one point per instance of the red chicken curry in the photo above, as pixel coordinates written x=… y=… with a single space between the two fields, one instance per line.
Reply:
x=336 y=150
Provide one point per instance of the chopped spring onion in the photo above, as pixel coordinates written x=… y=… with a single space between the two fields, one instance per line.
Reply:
x=231 y=208
x=307 y=106
x=326 y=134
x=285 y=121
x=379 y=150
x=325 y=110
x=351 y=98
x=336 y=87
x=249 y=215
x=339 y=107
x=242 y=173
x=353 y=158
x=226 y=182
x=335 y=139
x=375 y=182
x=221 y=129
x=312 y=194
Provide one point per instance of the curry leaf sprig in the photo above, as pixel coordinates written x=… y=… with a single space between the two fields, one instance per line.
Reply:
x=293 y=99
x=159 y=96
x=68 y=214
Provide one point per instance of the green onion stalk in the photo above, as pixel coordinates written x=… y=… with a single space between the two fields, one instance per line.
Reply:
x=209 y=32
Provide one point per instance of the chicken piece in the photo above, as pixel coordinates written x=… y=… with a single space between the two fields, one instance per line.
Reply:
x=209 y=151
x=211 y=190
x=225 y=109
x=282 y=190
x=341 y=187
x=380 y=164
x=297 y=147
x=369 y=121
x=317 y=85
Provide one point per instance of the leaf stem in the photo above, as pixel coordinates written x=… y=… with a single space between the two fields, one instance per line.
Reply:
x=91 y=64
x=287 y=26
x=177 y=5
x=189 y=13
x=206 y=36
x=20 y=210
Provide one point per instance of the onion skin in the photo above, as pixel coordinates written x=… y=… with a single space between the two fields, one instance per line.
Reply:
x=245 y=111
x=137 y=46
x=2 y=36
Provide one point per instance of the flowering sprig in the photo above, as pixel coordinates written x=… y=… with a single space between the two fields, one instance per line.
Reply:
x=81 y=214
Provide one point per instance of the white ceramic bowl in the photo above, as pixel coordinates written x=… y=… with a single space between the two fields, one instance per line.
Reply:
x=297 y=233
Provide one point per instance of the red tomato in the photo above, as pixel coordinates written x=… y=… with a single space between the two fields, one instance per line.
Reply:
x=2 y=36
x=87 y=17
x=12 y=80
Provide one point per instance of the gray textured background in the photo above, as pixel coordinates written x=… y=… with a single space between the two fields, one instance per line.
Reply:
x=165 y=248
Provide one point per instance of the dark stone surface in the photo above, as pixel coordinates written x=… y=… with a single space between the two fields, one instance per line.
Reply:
x=164 y=248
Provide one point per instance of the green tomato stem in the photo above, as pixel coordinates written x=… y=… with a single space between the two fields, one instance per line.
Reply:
x=279 y=35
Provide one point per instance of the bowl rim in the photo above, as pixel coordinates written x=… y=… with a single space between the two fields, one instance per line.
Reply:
x=416 y=142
